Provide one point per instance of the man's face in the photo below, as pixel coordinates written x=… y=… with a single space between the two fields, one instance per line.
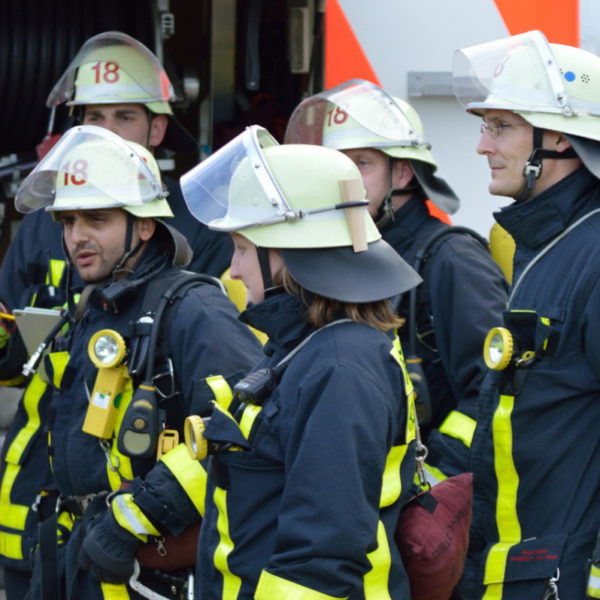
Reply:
x=95 y=240
x=508 y=152
x=375 y=171
x=130 y=121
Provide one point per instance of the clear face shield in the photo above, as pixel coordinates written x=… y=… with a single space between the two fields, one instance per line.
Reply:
x=518 y=73
x=354 y=114
x=90 y=167
x=112 y=65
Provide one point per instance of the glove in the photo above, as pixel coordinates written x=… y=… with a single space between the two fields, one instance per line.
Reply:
x=108 y=551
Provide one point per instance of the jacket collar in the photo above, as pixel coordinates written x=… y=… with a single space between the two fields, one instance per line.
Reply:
x=282 y=317
x=408 y=221
x=535 y=222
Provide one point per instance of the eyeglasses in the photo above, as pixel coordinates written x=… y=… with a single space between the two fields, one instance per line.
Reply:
x=494 y=129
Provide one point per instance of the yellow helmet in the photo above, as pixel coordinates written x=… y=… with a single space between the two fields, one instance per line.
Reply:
x=90 y=168
x=308 y=201
x=359 y=114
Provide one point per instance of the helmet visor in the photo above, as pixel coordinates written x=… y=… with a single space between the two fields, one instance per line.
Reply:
x=516 y=73
x=90 y=167
x=207 y=187
x=354 y=114
x=117 y=66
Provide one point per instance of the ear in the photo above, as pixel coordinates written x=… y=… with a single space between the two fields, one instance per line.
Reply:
x=158 y=128
x=402 y=174
x=558 y=141
x=146 y=227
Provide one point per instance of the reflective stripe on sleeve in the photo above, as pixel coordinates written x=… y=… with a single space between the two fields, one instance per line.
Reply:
x=459 y=426
x=114 y=591
x=131 y=518
x=189 y=473
x=271 y=586
x=593 y=584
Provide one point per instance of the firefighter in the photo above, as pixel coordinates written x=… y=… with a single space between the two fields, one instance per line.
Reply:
x=313 y=457
x=117 y=83
x=536 y=449
x=463 y=292
x=121 y=386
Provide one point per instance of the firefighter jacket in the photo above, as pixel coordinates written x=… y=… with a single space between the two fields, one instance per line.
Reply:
x=536 y=449
x=308 y=508
x=462 y=296
x=204 y=338
x=32 y=274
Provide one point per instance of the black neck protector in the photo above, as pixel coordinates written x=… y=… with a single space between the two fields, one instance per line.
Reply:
x=385 y=212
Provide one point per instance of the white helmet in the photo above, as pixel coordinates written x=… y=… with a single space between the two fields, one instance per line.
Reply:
x=552 y=86
x=114 y=68
x=309 y=201
x=359 y=114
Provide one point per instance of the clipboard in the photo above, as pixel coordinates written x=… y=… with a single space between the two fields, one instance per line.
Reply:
x=34 y=324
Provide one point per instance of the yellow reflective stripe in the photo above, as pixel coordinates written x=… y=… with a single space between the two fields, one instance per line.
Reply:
x=31 y=400
x=507 y=520
x=249 y=415
x=65 y=519
x=221 y=390
x=593 y=584
x=11 y=515
x=376 y=581
x=55 y=273
x=131 y=518
x=59 y=361
x=459 y=426
x=231 y=583
x=10 y=545
x=271 y=586
x=435 y=474
x=114 y=591
x=391 y=485
x=125 y=469
x=189 y=473
x=494 y=592
x=411 y=420
x=545 y=321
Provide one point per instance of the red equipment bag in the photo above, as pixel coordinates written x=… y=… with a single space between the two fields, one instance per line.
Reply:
x=433 y=537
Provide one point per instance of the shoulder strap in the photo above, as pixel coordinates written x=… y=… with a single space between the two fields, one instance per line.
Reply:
x=161 y=294
x=427 y=249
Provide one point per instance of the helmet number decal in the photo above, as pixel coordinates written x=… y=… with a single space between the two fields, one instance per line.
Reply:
x=107 y=72
x=336 y=115
x=78 y=174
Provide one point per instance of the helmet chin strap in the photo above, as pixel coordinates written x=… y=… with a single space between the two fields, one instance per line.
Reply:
x=533 y=167
x=118 y=268
x=265 y=266
x=385 y=212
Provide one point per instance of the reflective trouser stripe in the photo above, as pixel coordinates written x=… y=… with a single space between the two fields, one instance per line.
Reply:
x=507 y=520
x=131 y=518
x=459 y=426
x=593 y=584
x=114 y=591
x=10 y=545
x=391 y=484
x=189 y=473
x=376 y=581
x=231 y=583
x=270 y=587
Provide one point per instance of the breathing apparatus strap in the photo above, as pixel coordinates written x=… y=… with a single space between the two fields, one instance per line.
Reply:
x=533 y=167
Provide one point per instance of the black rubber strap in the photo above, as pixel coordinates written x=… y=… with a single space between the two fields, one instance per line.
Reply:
x=49 y=559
